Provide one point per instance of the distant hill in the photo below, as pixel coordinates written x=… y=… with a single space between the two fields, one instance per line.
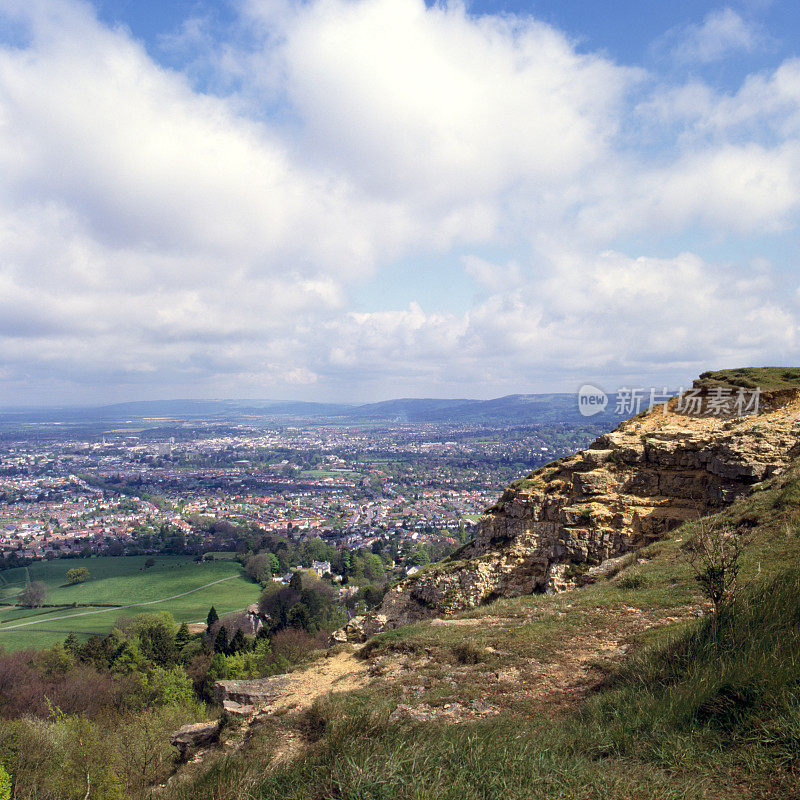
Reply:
x=515 y=409
x=209 y=408
x=512 y=409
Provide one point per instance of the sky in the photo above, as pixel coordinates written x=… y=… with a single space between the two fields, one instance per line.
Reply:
x=356 y=200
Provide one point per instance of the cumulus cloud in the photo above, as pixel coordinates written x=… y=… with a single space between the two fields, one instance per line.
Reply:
x=767 y=105
x=731 y=188
x=158 y=238
x=433 y=103
x=602 y=315
x=721 y=34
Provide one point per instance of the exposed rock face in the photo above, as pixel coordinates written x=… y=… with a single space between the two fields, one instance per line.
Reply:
x=197 y=735
x=259 y=693
x=630 y=487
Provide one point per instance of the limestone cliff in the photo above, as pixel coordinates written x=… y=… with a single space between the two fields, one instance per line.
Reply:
x=628 y=488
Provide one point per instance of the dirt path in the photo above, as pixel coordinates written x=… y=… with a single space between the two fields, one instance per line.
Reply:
x=342 y=672
x=555 y=683
x=278 y=701
x=575 y=669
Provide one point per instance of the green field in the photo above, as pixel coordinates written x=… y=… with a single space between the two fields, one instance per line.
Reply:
x=175 y=584
x=327 y=473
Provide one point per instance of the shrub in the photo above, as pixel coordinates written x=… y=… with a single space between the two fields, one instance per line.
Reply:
x=632 y=581
x=467 y=652
x=294 y=644
x=5 y=784
x=713 y=554
x=33 y=595
x=77 y=575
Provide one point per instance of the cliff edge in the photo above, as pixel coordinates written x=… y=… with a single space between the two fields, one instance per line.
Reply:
x=554 y=528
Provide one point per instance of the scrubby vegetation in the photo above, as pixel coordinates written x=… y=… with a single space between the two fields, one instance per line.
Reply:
x=706 y=706
x=93 y=719
x=766 y=378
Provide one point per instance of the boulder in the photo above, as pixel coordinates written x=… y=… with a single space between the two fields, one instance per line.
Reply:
x=339 y=637
x=360 y=628
x=234 y=709
x=194 y=736
x=257 y=693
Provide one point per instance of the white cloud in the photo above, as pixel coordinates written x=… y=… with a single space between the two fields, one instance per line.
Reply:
x=727 y=188
x=606 y=315
x=92 y=123
x=490 y=275
x=159 y=239
x=767 y=105
x=721 y=34
x=433 y=104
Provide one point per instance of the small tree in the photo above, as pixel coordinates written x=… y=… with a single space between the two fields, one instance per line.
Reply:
x=149 y=562
x=155 y=634
x=77 y=575
x=33 y=594
x=713 y=555
x=182 y=637
x=221 y=642
x=238 y=642
x=373 y=568
x=420 y=557
x=211 y=618
x=257 y=568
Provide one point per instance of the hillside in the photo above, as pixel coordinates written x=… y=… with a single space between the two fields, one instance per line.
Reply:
x=630 y=487
x=625 y=686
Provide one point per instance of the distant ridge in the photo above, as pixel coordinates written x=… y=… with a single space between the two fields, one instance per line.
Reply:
x=514 y=409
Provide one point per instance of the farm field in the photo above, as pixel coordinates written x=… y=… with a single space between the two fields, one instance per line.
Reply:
x=175 y=584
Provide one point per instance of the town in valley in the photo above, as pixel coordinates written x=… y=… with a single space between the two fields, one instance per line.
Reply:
x=408 y=492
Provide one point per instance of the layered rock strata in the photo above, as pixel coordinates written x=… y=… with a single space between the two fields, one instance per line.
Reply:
x=630 y=487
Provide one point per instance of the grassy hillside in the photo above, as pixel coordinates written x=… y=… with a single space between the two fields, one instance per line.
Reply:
x=175 y=584
x=767 y=378
x=541 y=697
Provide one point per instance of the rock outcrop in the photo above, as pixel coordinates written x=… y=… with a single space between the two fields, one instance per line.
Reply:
x=630 y=487
x=250 y=694
x=195 y=736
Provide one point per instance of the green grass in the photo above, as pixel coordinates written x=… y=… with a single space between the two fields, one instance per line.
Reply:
x=221 y=555
x=713 y=712
x=122 y=581
x=767 y=378
x=326 y=473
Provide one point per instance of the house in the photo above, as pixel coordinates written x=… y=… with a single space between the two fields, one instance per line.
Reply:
x=321 y=567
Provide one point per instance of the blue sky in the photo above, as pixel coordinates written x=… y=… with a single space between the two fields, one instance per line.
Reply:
x=362 y=199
